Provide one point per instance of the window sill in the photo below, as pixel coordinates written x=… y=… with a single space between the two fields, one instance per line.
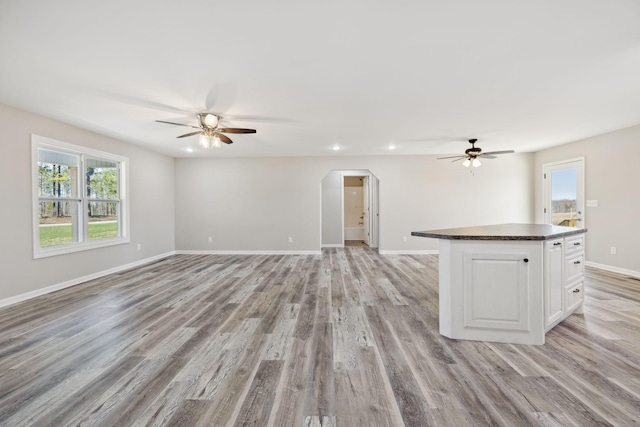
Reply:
x=76 y=247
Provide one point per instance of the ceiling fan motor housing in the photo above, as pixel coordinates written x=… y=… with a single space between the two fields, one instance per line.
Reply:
x=473 y=151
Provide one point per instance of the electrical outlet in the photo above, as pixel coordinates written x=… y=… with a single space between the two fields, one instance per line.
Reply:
x=592 y=203
x=404 y=239
x=612 y=250
x=139 y=247
x=210 y=239
x=290 y=239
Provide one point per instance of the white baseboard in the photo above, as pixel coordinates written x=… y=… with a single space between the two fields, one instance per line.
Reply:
x=38 y=292
x=409 y=252
x=239 y=252
x=333 y=245
x=613 y=269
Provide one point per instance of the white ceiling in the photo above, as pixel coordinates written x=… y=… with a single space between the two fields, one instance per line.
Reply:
x=423 y=75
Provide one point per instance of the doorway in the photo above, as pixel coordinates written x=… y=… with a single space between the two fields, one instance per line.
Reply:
x=348 y=218
x=564 y=193
x=355 y=191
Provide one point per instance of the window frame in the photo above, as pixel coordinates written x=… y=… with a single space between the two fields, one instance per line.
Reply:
x=83 y=153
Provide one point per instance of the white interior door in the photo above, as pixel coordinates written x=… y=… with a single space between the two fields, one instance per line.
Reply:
x=564 y=193
x=366 y=210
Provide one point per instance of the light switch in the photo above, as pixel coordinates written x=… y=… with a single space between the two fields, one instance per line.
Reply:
x=592 y=203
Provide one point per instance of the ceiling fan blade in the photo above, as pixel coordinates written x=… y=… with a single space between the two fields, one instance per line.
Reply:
x=221 y=97
x=457 y=160
x=451 y=157
x=236 y=130
x=234 y=117
x=177 y=124
x=499 y=152
x=484 y=156
x=189 y=134
x=224 y=138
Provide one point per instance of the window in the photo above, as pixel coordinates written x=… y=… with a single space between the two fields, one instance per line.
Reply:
x=564 y=193
x=79 y=198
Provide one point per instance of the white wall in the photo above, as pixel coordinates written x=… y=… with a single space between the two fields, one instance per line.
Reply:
x=612 y=174
x=256 y=204
x=151 y=203
x=332 y=209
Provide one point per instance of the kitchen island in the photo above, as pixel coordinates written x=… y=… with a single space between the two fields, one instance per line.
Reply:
x=509 y=282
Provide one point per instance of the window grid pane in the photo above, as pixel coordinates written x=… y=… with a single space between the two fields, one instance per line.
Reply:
x=103 y=220
x=56 y=180
x=59 y=223
x=102 y=179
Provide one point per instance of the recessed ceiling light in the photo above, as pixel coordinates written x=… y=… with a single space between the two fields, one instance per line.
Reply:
x=335 y=148
x=392 y=147
x=189 y=150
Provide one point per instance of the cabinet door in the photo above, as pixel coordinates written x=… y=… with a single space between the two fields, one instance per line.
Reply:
x=574 y=296
x=553 y=281
x=574 y=268
x=496 y=291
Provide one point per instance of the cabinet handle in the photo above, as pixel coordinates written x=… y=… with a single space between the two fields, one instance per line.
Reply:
x=576 y=262
x=526 y=260
x=576 y=244
x=557 y=243
x=575 y=291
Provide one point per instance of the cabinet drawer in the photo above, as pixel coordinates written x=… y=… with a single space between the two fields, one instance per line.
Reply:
x=573 y=297
x=574 y=244
x=574 y=267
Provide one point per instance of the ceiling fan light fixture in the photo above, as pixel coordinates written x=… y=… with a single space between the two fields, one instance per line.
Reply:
x=476 y=163
x=215 y=141
x=205 y=141
x=208 y=120
x=209 y=141
x=466 y=163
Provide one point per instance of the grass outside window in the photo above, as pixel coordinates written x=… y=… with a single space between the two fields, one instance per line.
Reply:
x=61 y=234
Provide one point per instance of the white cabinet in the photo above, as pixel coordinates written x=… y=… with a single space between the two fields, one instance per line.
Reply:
x=494 y=283
x=492 y=291
x=553 y=281
x=508 y=282
x=574 y=274
x=563 y=280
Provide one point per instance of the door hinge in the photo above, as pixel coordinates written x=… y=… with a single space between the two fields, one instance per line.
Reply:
x=545 y=210
x=545 y=176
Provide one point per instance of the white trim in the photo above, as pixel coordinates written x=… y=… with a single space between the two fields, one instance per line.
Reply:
x=374 y=202
x=546 y=205
x=357 y=173
x=333 y=245
x=342 y=205
x=409 y=252
x=320 y=224
x=39 y=292
x=243 y=252
x=613 y=269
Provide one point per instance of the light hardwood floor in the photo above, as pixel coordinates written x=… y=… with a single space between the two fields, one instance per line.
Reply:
x=346 y=338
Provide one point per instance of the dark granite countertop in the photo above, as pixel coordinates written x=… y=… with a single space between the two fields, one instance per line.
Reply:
x=502 y=232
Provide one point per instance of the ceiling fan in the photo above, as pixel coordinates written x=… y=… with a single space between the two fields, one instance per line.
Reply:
x=211 y=136
x=472 y=155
